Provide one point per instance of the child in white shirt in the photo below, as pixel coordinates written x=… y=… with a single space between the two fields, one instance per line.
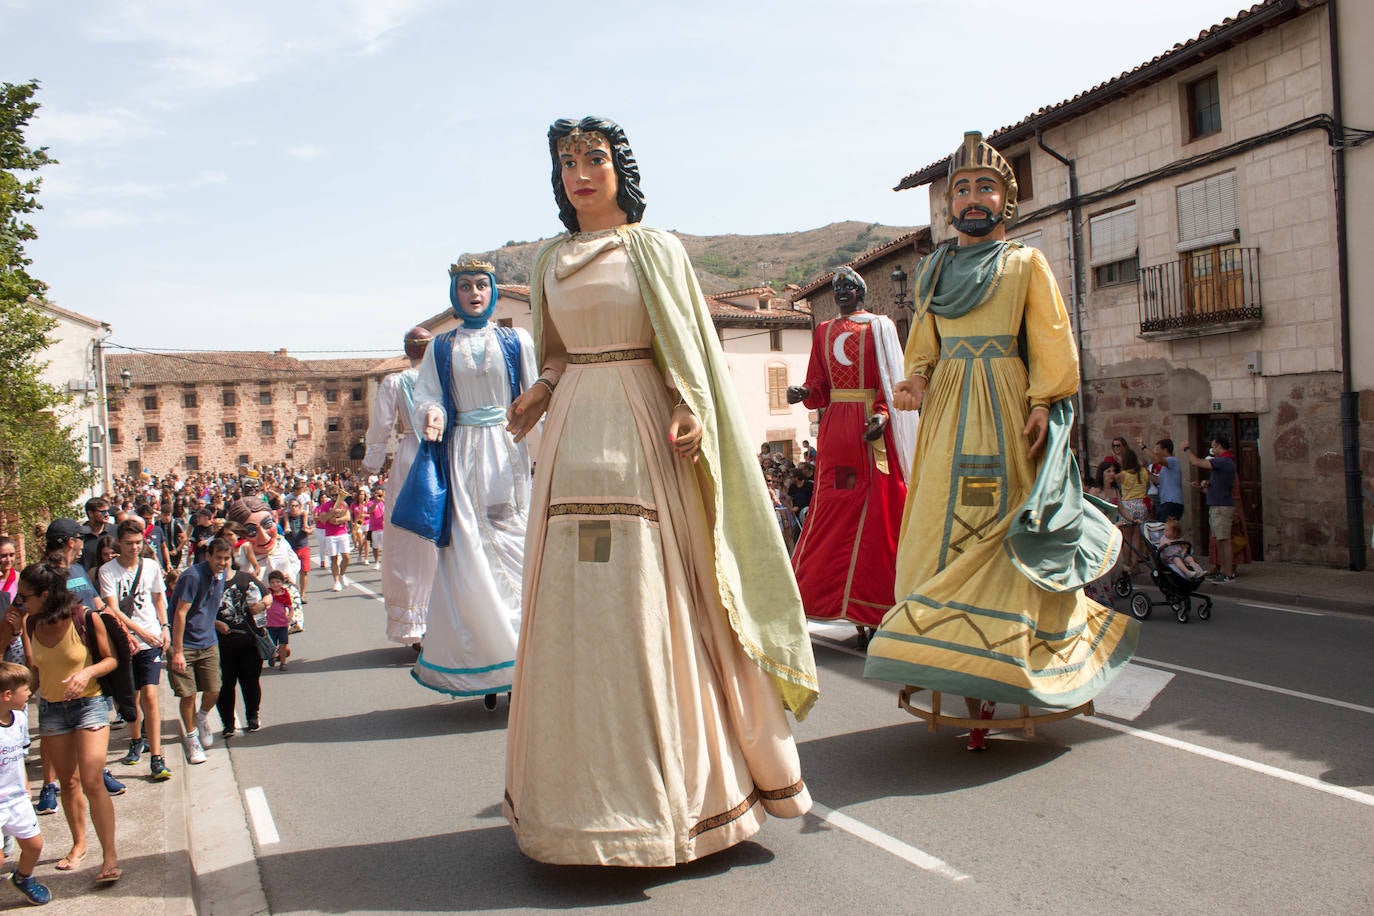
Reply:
x=17 y=817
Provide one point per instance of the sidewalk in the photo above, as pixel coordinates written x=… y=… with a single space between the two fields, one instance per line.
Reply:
x=1301 y=586
x=184 y=845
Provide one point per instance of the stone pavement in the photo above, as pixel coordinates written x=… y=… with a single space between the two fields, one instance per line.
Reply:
x=186 y=846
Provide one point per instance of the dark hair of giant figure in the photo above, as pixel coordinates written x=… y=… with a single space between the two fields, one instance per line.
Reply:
x=628 y=194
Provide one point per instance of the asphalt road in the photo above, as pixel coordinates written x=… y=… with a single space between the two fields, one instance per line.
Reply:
x=1231 y=771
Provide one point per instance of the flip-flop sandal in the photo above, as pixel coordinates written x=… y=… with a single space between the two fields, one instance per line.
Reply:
x=109 y=877
x=68 y=863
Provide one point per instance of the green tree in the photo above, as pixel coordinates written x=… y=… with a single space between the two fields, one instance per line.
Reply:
x=42 y=468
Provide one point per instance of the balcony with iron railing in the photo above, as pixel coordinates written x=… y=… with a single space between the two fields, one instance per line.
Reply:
x=1211 y=291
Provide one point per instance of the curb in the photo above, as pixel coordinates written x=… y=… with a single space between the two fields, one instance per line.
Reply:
x=1363 y=607
x=224 y=868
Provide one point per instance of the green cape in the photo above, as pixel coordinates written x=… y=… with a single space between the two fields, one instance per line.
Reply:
x=753 y=575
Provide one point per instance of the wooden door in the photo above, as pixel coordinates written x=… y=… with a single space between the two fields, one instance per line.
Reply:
x=1243 y=431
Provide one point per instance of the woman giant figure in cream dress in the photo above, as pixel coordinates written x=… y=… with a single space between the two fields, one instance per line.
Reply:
x=662 y=635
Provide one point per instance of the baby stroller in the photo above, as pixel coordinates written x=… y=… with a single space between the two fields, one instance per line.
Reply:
x=1179 y=591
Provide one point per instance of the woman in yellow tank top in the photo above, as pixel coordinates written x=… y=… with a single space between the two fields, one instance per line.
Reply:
x=73 y=715
x=1135 y=482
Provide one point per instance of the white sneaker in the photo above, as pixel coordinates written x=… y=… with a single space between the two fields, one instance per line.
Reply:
x=336 y=587
x=207 y=737
x=194 y=752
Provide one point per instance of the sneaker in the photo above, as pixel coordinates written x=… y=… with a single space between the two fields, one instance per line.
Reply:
x=47 y=799
x=254 y=724
x=112 y=785
x=336 y=587
x=136 y=748
x=1222 y=578
x=230 y=732
x=207 y=737
x=34 y=892
x=194 y=752
x=158 y=768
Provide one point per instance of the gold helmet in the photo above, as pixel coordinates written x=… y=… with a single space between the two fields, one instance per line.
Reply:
x=974 y=153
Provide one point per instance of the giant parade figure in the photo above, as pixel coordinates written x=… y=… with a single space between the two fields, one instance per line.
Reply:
x=662 y=636
x=469 y=491
x=408 y=559
x=998 y=538
x=844 y=559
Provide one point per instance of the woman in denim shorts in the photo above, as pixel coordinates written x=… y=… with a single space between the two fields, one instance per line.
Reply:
x=73 y=715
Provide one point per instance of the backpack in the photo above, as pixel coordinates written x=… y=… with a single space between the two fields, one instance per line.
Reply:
x=118 y=685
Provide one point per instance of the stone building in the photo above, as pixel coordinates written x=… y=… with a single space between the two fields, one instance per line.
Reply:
x=185 y=412
x=1192 y=209
x=76 y=365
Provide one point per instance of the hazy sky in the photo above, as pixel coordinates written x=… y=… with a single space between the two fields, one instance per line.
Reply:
x=255 y=175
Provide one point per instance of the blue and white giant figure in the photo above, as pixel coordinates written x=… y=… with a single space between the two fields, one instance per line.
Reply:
x=469 y=491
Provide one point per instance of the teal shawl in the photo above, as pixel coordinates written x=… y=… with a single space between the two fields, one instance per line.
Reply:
x=753 y=575
x=953 y=281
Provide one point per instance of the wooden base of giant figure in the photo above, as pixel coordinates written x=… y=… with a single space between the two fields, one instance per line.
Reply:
x=999 y=538
x=473 y=481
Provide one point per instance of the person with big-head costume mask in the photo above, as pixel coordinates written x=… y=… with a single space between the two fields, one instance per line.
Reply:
x=662 y=635
x=998 y=538
x=477 y=504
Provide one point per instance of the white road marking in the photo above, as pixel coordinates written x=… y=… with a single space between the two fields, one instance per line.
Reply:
x=365 y=590
x=887 y=843
x=1363 y=798
x=1257 y=686
x=1131 y=693
x=264 y=828
x=1278 y=607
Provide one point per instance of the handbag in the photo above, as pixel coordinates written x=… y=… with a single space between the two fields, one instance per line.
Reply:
x=267 y=648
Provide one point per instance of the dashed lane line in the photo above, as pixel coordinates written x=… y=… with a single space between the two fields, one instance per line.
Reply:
x=888 y=844
x=260 y=815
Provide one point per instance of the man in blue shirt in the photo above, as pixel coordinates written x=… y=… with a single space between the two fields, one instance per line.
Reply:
x=194 y=663
x=1221 y=505
x=1169 y=481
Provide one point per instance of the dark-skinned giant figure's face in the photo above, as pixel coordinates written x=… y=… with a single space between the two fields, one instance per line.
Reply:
x=849 y=296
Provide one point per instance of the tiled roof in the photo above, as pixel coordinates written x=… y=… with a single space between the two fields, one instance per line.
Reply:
x=1184 y=54
x=226 y=366
x=68 y=313
x=740 y=293
x=868 y=256
x=725 y=313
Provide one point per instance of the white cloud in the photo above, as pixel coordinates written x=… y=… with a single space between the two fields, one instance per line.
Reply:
x=54 y=127
x=307 y=151
x=375 y=20
x=98 y=218
x=209 y=177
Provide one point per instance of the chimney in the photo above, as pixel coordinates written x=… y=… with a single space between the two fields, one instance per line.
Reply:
x=281 y=352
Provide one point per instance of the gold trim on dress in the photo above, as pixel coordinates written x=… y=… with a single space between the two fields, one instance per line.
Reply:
x=791 y=791
x=645 y=512
x=720 y=820
x=857 y=395
x=610 y=356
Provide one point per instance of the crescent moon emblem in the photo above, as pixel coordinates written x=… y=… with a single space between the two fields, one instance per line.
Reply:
x=838 y=349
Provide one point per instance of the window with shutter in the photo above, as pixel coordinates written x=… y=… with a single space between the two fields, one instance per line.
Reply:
x=1207 y=212
x=777 y=389
x=1114 y=254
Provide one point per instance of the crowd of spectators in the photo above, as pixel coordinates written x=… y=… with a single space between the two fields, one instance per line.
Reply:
x=790 y=486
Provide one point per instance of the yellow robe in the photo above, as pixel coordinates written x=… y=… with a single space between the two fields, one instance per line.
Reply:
x=970 y=622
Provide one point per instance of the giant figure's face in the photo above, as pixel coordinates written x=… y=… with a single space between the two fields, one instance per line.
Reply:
x=589 y=177
x=976 y=201
x=474 y=294
x=262 y=532
x=848 y=295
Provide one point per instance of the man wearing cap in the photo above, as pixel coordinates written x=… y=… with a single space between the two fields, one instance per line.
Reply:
x=845 y=556
x=999 y=539
x=408 y=561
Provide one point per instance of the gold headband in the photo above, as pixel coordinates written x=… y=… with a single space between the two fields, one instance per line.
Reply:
x=472 y=265
x=580 y=141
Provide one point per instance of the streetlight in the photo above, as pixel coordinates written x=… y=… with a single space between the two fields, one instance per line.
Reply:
x=138 y=441
x=126 y=378
x=898 y=278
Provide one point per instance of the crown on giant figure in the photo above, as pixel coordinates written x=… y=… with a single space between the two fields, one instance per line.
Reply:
x=580 y=140
x=976 y=153
x=471 y=265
